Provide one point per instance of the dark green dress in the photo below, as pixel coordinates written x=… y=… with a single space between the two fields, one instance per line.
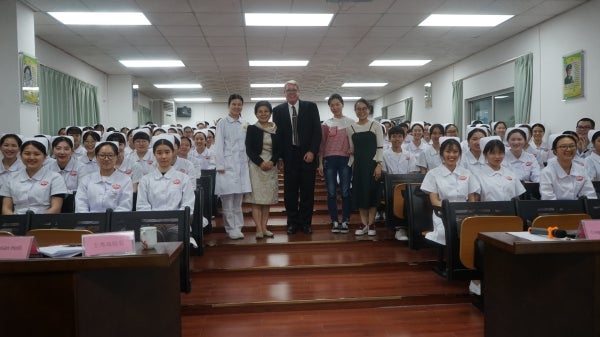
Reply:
x=366 y=191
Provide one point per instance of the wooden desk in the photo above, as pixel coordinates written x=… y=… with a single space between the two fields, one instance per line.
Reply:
x=132 y=295
x=540 y=288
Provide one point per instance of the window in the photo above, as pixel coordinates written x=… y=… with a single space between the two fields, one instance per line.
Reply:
x=492 y=108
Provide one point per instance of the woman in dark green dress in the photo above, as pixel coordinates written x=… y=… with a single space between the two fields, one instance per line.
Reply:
x=366 y=145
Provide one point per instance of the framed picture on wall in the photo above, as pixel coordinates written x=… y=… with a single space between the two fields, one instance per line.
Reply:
x=30 y=90
x=572 y=74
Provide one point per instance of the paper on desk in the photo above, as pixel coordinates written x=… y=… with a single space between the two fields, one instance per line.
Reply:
x=61 y=251
x=530 y=237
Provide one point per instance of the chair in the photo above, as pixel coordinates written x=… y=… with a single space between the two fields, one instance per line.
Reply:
x=592 y=207
x=471 y=226
x=94 y=222
x=68 y=205
x=390 y=181
x=4 y=233
x=528 y=210
x=532 y=191
x=206 y=184
x=173 y=225
x=211 y=198
x=453 y=214
x=562 y=221
x=51 y=237
x=418 y=215
x=16 y=224
x=197 y=221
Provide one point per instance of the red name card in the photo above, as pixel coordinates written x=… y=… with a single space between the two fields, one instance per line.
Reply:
x=15 y=247
x=108 y=243
x=589 y=229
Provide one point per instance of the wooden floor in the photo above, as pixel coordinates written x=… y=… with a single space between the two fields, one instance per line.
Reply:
x=322 y=284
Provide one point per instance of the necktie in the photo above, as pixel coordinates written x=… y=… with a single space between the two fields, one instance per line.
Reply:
x=294 y=126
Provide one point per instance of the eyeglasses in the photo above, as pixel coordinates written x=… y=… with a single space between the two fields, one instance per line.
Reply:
x=566 y=147
x=584 y=127
x=106 y=156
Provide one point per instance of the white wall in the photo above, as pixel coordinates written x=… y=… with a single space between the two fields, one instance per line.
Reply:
x=575 y=30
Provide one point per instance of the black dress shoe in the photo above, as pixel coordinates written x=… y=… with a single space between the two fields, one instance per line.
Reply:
x=291 y=229
x=307 y=229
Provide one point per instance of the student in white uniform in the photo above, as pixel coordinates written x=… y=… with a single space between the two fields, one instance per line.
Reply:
x=75 y=132
x=592 y=162
x=521 y=162
x=538 y=145
x=397 y=161
x=106 y=187
x=563 y=178
x=202 y=157
x=430 y=158
x=418 y=144
x=34 y=187
x=66 y=165
x=472 y=159
x=499 y=129
x=233 y=178
x=185 y=148
x=497 y=183
x=88 y=161
x=448 y=181
x=10 y=145
x=181 y=164
x=141 y=161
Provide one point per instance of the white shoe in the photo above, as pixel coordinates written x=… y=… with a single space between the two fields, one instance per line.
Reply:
x=364 y=230
x=475 y=288
x=401 y=235
x=371 y=231
x=235 y=235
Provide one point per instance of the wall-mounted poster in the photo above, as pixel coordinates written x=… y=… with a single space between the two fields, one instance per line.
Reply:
x=30 y=91
x=572 y=70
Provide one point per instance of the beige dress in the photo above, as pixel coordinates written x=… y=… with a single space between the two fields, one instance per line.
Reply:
x=264 y=183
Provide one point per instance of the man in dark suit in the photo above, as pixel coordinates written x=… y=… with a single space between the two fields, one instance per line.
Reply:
x=299 y=124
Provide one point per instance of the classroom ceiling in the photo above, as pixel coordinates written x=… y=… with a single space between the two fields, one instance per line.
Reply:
x=210 y=37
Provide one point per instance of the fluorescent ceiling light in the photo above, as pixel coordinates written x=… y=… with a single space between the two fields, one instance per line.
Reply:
x=101 y=18
x=354 y=85
x=289 y=63
x=398 y=63
x=179 y=86
x=288 y=19
x=347 y=98
x=31 y=88
x=267 y=85
x=192 y=99
x=152 y=63
x=500 y=97
x=267 y=98
x=459 y=20
x=135 y=86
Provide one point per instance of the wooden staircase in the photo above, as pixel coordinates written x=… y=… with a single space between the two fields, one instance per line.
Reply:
x=322 y=284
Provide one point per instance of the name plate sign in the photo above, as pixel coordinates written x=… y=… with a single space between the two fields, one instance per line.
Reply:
x=589 y=229
x=15 y=247
x=115 y=243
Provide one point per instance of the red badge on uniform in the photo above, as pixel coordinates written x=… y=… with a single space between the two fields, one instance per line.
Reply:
x=509 y=178
x=528 y=163
x=150 y=162
x=176 y=181
x=73 y=173
x=116 y=186
x=462 y=178
x=579 y=178
x=128 y=171
x=407 y=158
x=44 y=183
x=182 y=170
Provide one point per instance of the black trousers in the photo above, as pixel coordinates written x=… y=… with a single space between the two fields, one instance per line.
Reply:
x=299 y=188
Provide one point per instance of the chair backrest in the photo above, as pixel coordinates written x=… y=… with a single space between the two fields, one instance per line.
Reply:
x=473 y=225
x=68 y=205
x=206 y=182
x=51 y=237
x=531 y=209
x=453 y=213
x=418 y=216
x=562 y=221
x=4 y=233
x=592 y=207
x=532 y=191
x=17 y=224
x=391 y=180
x=94 y=222
x=197 y=220
x=172 y=225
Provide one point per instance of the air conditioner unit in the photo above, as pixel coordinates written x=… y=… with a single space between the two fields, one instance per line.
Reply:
x=168 y=112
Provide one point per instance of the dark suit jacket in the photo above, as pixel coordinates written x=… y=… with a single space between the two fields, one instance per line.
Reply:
x=309 y=128
x=254 y=145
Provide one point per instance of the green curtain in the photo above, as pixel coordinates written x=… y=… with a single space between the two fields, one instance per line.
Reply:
x=408 y=103
x=65 y=100
x=523 y=84
x=144 y=115
x=457 y=105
